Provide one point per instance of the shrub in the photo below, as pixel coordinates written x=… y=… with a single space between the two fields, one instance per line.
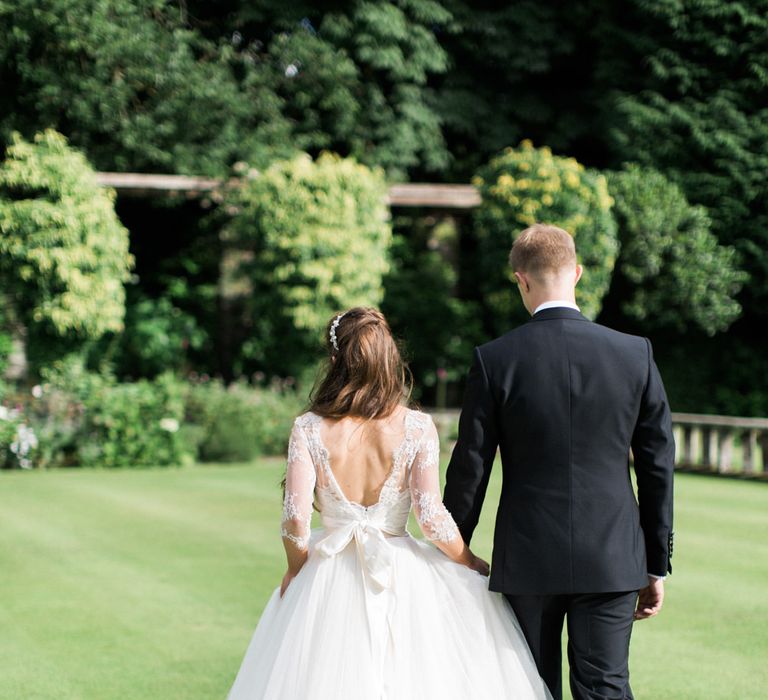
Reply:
x=135 y=424
x=698 y=380
x=240 y=422
x=6 y=345
x=313 y=238
x=63 y=252
x=89 y=419
x=673 y=270
x=58 y=420
x=76 y=417
x=158 y=337
x=522 y=186
x=55 y=408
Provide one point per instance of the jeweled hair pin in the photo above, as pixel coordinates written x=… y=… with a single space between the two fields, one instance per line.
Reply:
x=332 y=333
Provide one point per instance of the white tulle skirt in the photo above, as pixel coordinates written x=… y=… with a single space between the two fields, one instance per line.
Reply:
x=435 y=633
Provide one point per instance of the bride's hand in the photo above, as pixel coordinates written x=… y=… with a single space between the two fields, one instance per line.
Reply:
x=480 y=565
x=286 y=581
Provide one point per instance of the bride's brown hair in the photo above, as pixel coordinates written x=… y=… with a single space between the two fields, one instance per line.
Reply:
x=366 y=376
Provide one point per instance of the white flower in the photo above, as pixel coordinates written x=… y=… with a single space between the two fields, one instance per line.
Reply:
x=170 y=425
x=4 y=413
x=30 y=437
x=291 y=70
x=37 y=391
x=25 y=442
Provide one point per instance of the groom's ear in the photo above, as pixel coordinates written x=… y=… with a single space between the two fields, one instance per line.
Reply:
x=579 y=272
x=522 y=282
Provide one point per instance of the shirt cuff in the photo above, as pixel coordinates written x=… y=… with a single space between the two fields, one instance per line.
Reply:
x=658 y=578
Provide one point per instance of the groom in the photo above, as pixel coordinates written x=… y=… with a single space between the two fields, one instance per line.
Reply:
x=564 y=399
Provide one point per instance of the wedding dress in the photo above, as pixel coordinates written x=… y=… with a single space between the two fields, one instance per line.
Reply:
x=374 y=613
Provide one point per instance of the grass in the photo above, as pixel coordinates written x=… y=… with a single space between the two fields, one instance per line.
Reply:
x=147 y=584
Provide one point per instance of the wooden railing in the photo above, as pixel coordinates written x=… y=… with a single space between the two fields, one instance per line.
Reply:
x=713 y=444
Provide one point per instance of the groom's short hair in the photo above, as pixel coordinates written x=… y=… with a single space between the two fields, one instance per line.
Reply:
x=542 y=248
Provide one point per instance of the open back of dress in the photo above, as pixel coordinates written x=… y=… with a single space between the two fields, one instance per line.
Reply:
x=411 y=477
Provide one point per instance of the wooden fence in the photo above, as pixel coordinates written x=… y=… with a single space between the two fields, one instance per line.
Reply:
x=708 y=444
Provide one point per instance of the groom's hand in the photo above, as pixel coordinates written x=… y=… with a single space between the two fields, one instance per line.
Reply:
x=650 y=599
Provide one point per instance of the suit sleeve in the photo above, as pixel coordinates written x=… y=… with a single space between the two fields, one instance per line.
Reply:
x=468 y=472
x=653 y=447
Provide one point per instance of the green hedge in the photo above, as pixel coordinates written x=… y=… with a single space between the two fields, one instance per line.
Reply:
x=239 y=422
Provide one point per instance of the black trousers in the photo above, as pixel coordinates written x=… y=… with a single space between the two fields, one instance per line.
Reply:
x=599 y=628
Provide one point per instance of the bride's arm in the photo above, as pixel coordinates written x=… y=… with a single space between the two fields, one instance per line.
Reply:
x=434 y=519
x=297 y=503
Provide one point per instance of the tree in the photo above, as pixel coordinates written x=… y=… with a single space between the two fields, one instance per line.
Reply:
x=518 y=70
x=309 y=238
x=353 y=78
x=674 y=272
x=698 y=113
x=525 y=185
x=131 y=84
x=395 y=47
x=147 y=85
x=63 y=252
x=424 y=89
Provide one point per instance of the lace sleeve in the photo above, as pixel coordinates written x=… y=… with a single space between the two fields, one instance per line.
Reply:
x=299 y=490
x=434 y=519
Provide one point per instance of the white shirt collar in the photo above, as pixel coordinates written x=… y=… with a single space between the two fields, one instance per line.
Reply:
x=555 y=303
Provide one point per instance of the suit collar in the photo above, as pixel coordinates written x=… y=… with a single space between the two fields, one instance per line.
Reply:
x=553 y=303
x=559 y=312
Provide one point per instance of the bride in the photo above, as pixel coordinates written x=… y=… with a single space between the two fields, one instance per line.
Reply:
x=365 y=611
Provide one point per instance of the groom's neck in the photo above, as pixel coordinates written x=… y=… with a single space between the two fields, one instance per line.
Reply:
x=553 y=294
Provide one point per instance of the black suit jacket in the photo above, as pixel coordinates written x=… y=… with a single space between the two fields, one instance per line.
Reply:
x=564 y=399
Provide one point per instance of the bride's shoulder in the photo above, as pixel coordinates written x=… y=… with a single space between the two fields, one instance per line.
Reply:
x=307 y=419
x=415 y=418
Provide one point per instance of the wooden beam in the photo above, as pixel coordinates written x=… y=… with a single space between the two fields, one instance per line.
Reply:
x=429 y=195
x=139 y=184
x=403 y=195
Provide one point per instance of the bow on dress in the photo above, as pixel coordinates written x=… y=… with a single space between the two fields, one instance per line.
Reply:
x=368 y=533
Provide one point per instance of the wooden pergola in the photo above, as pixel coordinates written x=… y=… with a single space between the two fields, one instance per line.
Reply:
x=404 y=195
x=446 y=198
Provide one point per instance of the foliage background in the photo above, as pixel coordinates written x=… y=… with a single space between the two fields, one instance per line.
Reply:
x=426 y=91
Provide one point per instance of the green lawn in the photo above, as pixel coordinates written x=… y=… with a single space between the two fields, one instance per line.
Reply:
x=146 y=584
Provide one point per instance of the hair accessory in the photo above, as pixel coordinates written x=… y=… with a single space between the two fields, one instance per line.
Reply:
x=332 y=333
